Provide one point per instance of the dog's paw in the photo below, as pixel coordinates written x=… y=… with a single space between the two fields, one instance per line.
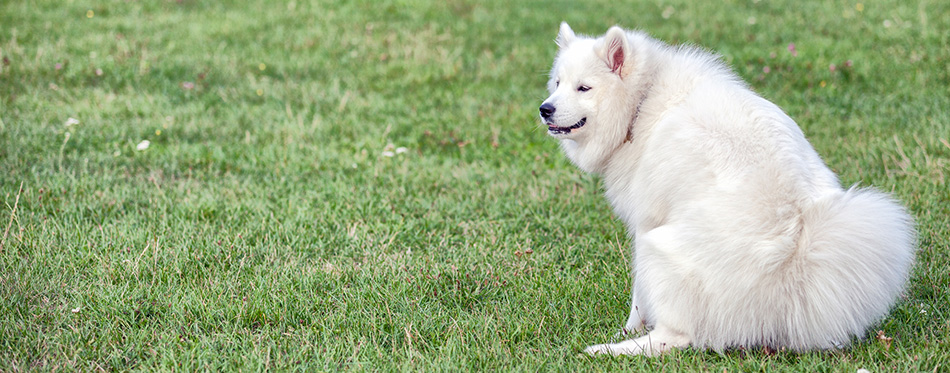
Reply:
x=628 y=347
x=602 y=349
x=655 y=343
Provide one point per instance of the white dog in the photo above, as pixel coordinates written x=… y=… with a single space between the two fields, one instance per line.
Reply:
x=742 y=236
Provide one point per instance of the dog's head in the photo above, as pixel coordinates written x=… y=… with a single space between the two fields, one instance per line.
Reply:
x=588 y=107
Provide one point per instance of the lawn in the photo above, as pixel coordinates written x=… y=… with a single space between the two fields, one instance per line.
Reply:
x=364 y=185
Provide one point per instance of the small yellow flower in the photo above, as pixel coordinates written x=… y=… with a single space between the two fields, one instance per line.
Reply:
x=822 y=84
x=859 y=7
x=158 y=132
x=260 y=92
x=262 y=66
x=90 y=13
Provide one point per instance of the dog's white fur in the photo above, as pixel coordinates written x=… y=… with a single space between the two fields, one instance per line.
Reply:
x=742 y=236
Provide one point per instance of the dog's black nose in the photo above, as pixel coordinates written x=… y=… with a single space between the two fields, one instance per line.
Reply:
x=547 y=110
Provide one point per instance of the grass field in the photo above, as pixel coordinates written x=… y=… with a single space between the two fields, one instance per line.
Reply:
x=364 y=184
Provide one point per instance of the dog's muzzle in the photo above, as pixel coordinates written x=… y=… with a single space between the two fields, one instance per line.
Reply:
x=547 y=112
x=562 y=130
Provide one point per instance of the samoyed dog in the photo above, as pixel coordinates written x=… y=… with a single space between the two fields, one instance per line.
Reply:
x=742 y=236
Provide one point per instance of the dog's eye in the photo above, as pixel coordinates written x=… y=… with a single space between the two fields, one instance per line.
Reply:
x=557 y=84
x=583 y=88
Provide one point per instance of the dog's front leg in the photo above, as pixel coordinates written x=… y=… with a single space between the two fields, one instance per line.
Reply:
x=639 y=313
x=635 y=322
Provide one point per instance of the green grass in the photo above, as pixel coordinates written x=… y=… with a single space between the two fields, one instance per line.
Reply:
x=263 y=228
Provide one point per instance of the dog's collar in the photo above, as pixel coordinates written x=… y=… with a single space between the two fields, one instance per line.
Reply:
x=630 y=128
x=636 y=115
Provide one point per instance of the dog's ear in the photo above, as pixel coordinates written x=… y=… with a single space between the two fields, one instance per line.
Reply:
x=565 y=36
x=615 y=49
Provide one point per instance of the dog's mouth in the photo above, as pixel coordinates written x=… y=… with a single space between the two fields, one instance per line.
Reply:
x=555 y=130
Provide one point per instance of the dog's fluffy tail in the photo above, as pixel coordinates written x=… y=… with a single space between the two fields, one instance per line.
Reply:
x=855 y=252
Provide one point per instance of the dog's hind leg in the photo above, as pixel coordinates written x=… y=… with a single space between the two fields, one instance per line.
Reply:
x=656 y=342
